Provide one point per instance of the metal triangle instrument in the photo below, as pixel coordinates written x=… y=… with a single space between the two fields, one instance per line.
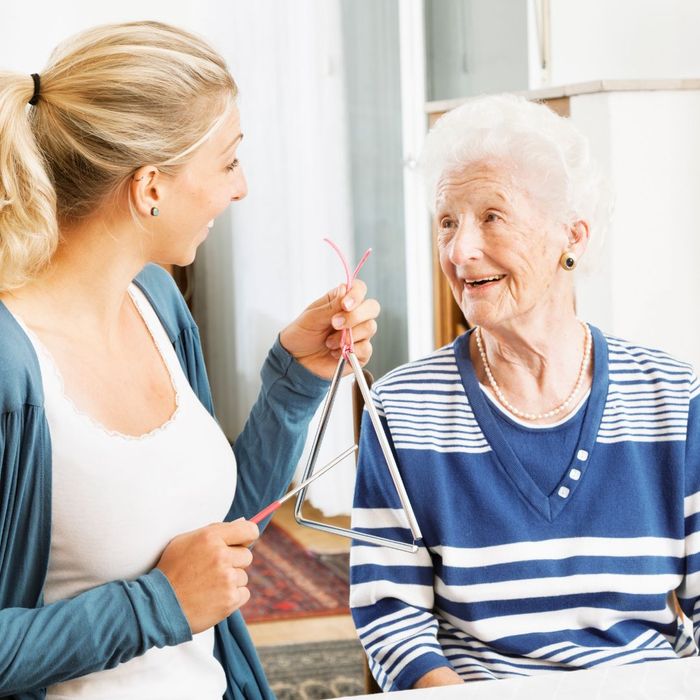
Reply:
x=268 y=510
x=386 y=451
x=347 y=355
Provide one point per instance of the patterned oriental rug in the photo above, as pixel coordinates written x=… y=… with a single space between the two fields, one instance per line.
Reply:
x=315 y=671
x=288 y=582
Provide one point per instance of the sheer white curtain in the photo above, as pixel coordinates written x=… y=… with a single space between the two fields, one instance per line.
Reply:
x=265 y=259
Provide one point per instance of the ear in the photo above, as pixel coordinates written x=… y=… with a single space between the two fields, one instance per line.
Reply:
x=146 y=189
x=579 y=233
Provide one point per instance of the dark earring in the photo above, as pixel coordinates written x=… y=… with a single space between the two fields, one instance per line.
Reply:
x=568 y=261
x=155 y=211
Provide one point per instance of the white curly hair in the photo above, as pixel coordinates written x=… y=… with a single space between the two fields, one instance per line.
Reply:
x=546 y=154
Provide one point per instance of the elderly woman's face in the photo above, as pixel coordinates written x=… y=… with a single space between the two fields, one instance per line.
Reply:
x=498 y=249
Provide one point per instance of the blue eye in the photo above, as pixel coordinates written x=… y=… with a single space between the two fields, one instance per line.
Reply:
x=233 y=165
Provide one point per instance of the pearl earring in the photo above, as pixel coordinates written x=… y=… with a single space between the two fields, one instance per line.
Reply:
x=155 y=211
x=568 y=261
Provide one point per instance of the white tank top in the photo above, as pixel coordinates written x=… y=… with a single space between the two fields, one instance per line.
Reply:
x=116 y=503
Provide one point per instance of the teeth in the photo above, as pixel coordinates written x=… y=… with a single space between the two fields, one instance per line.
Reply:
x=474 y=283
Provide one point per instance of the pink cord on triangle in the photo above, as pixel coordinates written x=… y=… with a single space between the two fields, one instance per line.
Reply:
x=346 y=347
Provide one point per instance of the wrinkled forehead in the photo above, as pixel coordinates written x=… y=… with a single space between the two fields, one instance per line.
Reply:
x=460 y=184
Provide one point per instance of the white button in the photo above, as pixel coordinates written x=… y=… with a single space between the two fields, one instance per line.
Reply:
x=563 y=492
x=582 y=455
x=575 y=474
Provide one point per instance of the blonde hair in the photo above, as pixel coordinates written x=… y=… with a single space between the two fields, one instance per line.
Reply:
x=112 y=99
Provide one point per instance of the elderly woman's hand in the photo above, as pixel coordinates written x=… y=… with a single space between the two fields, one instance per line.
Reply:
x=313 y=339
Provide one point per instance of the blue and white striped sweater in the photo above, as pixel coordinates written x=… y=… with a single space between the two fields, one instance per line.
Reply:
x=508 y=580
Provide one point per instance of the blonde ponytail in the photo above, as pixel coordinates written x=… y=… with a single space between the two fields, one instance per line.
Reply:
x=113 y=98
x=28 y=226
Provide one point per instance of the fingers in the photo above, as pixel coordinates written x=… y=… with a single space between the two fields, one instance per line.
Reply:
x=339 y=310
x=329 y=299
x=363 y=352
x=239 y=532
x=237 y=591
x=305 y=338
x=363 y=326
x=240 y=557
x=363 y=331
x=355 y=296
x=206 y=569
x=240 y=578
x=337 y=300
x=243 y=597
x=367 y=310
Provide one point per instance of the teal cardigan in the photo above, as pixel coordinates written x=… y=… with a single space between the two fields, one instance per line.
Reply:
x=44 y=644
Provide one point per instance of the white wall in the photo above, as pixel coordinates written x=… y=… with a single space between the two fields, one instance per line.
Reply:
x=620 y=39
x=644 y=286
x=647 y=286
x=476 y=46
x=30 y=30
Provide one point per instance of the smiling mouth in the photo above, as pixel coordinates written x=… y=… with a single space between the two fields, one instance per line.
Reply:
x=483 y=281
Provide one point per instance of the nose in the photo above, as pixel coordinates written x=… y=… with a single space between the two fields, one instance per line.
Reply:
x=240 y=185
x=466 y=245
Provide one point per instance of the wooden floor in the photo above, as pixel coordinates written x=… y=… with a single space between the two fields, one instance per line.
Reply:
x=317 y=541
x=310 y=629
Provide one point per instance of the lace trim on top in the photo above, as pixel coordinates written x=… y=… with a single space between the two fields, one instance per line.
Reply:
x=41 y=348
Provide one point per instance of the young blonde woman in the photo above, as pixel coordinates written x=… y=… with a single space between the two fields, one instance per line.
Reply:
x=123 y=546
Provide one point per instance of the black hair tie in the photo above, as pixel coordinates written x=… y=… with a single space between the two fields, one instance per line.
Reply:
x=37 y=87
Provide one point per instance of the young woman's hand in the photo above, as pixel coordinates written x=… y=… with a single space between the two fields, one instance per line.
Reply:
x=313 y=339
x=206 y=569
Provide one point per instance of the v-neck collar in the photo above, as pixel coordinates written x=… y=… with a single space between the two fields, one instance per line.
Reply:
x=550 y=506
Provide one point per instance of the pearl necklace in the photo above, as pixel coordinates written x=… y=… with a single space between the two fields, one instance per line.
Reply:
x=554 y=411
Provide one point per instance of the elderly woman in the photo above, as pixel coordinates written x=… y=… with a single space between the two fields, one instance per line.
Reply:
x=554 y=470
